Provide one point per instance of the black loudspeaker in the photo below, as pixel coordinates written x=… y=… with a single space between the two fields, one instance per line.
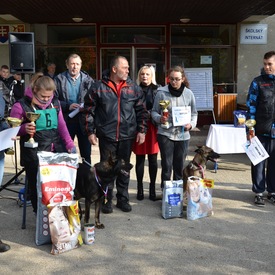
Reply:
x=22 y=57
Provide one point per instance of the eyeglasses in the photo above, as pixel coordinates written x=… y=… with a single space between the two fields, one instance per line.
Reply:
x=174 y=79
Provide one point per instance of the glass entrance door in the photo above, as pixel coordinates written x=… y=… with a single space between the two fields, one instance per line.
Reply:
x=137 y=58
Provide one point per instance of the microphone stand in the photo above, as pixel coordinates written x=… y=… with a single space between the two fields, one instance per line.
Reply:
x=14 y=179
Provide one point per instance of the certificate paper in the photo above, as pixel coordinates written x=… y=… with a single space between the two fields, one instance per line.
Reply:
x=6 y=137
x=181 y=115
x=75 y=111
x=255 y=151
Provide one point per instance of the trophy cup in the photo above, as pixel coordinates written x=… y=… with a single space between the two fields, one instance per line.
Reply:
x=250 y=123
x=13 y=122
x=32 y=117
x=164 y=104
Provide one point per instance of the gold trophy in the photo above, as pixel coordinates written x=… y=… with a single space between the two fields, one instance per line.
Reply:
x=164 y=104
x=250 y=123
x=13 y=122
x=32 y=117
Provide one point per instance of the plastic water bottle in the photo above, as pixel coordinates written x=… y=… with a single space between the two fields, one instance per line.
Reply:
x=273 y=130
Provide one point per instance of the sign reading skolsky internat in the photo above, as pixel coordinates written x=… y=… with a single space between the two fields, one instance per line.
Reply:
x=253 y=34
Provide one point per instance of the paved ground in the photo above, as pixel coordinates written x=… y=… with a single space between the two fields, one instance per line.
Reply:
x=238 y=239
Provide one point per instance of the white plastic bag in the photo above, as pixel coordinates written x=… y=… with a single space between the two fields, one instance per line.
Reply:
x=199 y=199
x=65 y=226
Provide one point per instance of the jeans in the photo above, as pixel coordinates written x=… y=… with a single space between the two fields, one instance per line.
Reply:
x=173 y=154
x=2 y=163
x=263 y=174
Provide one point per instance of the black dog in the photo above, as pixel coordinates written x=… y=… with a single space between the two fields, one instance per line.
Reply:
x=92 y=183
x=197 y=166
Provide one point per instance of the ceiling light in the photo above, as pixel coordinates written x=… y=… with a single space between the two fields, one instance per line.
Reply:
x=185 y=20
x=77 y=19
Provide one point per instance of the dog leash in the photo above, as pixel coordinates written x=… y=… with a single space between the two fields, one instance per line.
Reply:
x=202 y=170
x=97 y=180
x=105 y=192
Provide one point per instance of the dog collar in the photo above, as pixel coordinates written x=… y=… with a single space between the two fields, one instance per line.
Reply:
x=200 y=167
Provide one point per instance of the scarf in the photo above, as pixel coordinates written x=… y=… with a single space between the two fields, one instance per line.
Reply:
x=176 y=92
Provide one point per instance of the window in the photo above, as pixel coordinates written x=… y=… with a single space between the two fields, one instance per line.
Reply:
x=206 y=46
x=137 y=35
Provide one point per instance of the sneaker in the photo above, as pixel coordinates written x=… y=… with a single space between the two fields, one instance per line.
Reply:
x=124 y=206
x=107 y=208
x=271 y=198
x=259 y=200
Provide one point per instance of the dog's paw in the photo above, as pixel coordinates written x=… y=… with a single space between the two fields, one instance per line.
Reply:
x=100 y=226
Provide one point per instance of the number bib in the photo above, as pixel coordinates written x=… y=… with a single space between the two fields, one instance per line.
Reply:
x=47 y=120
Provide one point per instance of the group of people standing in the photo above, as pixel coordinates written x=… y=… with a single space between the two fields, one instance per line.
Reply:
x=125 y=116
x=121 y=115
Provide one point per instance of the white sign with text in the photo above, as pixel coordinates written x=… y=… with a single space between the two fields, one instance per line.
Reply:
x=253 y=34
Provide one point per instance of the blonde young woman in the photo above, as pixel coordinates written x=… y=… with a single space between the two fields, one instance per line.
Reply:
x=146 y=80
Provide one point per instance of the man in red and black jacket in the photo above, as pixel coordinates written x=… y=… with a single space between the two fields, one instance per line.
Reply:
x=115 y=113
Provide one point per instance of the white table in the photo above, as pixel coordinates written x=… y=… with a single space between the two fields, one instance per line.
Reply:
x=226 y=139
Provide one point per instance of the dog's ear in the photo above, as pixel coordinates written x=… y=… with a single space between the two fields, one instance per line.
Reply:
x=117 y=166
x=112 y=158
x=198 y=148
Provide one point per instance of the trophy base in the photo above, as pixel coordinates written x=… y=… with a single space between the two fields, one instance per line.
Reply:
x=165 y=126
x=9 y=151
x=31 y=145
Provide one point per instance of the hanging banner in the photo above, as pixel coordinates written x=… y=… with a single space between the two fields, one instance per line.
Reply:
x=5 y=29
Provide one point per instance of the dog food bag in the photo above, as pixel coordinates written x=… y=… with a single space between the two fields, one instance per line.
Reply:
x=239 y=118
x=199 y=198
x=65 y=226
x=55 y=180
x=172 y=200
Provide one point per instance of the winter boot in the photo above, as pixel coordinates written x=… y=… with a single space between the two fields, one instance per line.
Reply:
x=140 y=194
x=152 y=191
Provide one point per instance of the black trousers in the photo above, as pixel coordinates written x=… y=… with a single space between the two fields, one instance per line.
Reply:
x=85 y=147
x=122 y=149
x=263 y=174
x=173 y=154
x=31 y=170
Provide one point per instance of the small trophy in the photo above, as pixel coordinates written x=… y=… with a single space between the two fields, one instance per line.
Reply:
x=13 y=122
x=164 y=104
x=32 y=117
x=250 y=123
